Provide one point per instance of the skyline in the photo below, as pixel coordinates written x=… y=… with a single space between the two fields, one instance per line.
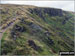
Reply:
x=65 y=5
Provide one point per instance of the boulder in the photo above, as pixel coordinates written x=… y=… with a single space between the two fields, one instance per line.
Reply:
x=34 y=26
x=3 y=11
x=64 y=22
x=34 y=46
x=50 y=41
x=22 y=20
x=47 y=33
x=19 y=28
x=13 y=34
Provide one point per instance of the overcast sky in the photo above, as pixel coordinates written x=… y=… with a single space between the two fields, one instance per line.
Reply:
x=65 y=5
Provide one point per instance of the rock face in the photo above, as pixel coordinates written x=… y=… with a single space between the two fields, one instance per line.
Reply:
x=34 y=46
x=34 y=26
x=50 y=11
x=53 y=12
x=19 y=28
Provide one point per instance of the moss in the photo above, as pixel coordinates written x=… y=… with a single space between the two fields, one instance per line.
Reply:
x=4 y=36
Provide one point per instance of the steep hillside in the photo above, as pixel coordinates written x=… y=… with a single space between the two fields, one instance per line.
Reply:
x=31 y=30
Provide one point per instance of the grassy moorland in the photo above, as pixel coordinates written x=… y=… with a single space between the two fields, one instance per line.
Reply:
x=31 y=30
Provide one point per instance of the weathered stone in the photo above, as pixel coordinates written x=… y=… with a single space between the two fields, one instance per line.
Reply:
x=13 y=34
x=34 y=46
x=34 y=26
x=9 y=23
x=19 y=28
x=3 y=12
x=50 y=41
x=42 y=11
x=50 y=11
x=30 y=23
x=64 y=21
x=47 y=33
x=22 y=20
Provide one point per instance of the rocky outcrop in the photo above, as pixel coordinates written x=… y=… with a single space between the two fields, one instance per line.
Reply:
x=50 y=11
x=3 y=11
x=34 y=26
x=19 y=28
x=47 y=33
x=34 y=46
x=14 y=32
x=50 y=41
x=66 y=19
x=41 y=12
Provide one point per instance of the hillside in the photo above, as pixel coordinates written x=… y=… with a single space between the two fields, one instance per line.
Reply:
x=31 y=30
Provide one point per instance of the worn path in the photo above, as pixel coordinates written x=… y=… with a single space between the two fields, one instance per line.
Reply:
x=2 y=31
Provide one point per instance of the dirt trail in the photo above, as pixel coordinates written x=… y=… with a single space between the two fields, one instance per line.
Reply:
x=2 y=31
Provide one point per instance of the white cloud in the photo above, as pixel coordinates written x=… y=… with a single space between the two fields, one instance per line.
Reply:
x=65 y=5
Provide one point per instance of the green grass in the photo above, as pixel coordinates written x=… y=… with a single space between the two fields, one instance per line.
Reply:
x=52 y=24
x=4 y=36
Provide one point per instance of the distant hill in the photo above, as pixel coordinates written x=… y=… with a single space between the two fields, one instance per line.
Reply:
x=31 y=30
